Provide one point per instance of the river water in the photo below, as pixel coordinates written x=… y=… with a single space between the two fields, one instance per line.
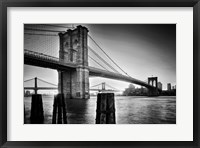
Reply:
x=129 y=110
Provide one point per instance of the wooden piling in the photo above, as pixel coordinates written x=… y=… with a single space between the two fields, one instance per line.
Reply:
x=59 y=102
x=37 y=113
x=64 y=110
x=110 y=118
x=24 y=114
x=54 y=110
x=105 y=113
x=59 y=110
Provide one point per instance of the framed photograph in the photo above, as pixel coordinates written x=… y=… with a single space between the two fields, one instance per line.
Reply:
x=90 y=74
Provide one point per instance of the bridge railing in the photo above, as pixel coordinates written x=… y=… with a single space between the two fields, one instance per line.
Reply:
x=40 y=55
x=48 y=58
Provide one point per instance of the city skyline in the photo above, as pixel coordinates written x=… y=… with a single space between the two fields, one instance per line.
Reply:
x=141 y=51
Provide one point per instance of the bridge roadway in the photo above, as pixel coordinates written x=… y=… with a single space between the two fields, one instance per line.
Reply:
x=106 y=90
x=41 y=88
x=46 y=61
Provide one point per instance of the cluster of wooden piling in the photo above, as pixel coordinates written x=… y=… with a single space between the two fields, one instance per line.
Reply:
x=37 y=113
x=105 y=113
x=59 y=110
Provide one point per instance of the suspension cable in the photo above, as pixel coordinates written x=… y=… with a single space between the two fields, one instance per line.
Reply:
x=29 y=80
x=96 y=85
x=46 y=30
x=46 y=82
x=53 y=25
x=107 y=55
x=97 y=63
x=41 y=34
x=89 y=48
x=103 y=60
x=111 y=87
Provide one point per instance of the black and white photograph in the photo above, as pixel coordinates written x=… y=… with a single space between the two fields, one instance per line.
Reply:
x=99 y=73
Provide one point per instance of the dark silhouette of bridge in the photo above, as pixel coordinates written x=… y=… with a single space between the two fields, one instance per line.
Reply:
x=72 y=65
x=98 y=87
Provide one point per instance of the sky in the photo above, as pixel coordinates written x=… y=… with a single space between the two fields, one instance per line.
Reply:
x=141 y=50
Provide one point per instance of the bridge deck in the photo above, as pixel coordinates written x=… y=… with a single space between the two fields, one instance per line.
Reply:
x=46 y=61
x=42 y=60
x=43 y=88
x=111 y=75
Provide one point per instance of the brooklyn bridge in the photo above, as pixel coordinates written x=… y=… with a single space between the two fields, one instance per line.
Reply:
x=72 y=63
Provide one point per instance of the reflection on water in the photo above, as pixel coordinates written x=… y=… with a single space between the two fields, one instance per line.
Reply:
x=129 y=110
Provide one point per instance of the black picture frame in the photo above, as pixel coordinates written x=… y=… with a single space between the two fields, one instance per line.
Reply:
x=4 y=4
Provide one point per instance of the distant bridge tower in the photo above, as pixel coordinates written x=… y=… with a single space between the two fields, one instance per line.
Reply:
x=74 y=48
x=36 y=88
x=103 y=86
x=153 y=81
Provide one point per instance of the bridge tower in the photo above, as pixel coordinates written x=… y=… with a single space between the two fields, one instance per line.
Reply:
x=153 y=81
x=35 y=88
x=74 y=49
x=103 y=86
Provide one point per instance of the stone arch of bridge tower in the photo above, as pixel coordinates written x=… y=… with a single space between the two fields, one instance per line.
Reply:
x=103 y=86
x=74 y=49
x=153 y=81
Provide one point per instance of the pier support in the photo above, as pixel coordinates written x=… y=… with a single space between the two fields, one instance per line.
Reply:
x=37 y=113
x=74 y=48
x=105 y=113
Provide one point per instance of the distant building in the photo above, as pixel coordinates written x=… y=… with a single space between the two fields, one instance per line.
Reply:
x=169 y=86
x=174 y=87
x=27 y=93
x=132 y=86
x=160 y=85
